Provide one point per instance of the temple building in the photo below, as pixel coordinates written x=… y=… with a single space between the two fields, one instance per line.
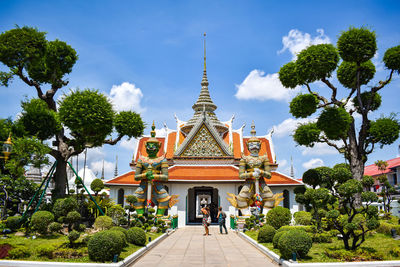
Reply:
x=203 y=156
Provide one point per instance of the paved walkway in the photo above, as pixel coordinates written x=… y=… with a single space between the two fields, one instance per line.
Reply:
x=188 y=247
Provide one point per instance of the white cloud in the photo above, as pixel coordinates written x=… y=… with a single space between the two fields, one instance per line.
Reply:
x=379 y=66
x=287 y=127
x=261 y=86
x=282 y=163
x=126 y=97
x=96 y=167
x=296 y=41
x=128 y=144
x=319 y=149
x=313 y=163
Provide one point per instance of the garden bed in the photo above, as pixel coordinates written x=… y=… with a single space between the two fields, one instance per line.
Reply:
x=62 y=252
x=377 y=247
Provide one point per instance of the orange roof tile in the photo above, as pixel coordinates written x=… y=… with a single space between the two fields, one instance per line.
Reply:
x=226 y=138
x=170 y=145
x=372 y=170
x=204 y=173
x=237 y=153
x=124 y=179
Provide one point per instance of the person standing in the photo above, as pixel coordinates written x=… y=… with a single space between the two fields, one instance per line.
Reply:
x=206 y=219
x=221 y=220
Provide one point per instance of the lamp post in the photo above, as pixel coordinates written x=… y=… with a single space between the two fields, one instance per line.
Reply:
x=7 y=148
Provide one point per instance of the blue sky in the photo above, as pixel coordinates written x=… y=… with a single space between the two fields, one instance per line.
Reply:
x=148 y=56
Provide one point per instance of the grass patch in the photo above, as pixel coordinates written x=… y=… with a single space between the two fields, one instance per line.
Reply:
x=376 y=247
x=62 y=251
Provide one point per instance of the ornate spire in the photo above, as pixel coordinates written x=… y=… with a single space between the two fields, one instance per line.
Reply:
x=204 y=101
x=291 y=167
x=116 y=167
x=253 y=137
x=102 y=171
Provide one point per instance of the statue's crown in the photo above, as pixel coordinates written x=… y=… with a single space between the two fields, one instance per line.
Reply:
x=253 y=137
x=153 y=138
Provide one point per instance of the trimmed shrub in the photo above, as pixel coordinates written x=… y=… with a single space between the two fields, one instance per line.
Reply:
x=122 y=236
x=266 y=234
x=40 y=221
x=102 y=246
x=64 y=205
x=294 y=241
x=73 y=217
x=103 y=222
x=278 y=217
x=81 y=227
x=19 y=253
x=119 y=228
x=385 y=228
x=45 y=251
x=73 y=236
x=322 y=238
x=55 y=227
x=306 y=228
x=13 y=223
x=136 y=236
x=86 y=239
x=275 y=240
x=302 y=218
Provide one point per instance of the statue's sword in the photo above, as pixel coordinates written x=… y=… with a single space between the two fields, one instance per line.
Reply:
x=257 y=185
x=149 y=184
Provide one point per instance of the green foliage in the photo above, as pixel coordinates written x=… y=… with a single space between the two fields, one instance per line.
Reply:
x=295 y=241
x=129 y=123
x=102 y=246
x=116 y=212
x=365 y=97
x=63 y=206
x=386 y=228
x=347 y=73
x=357 y=45
x=312 y=177
x=45 y=250
x=40 y=221
x=88 y=114
x=303 y=105
x=323 y=237
x=73 y=236
x=288 y=75
x=97 y=185
x=73 y=217
x=307 y=134
x=13 y=223
x=80 y=227
x=131 y=199
x=392 y=58
x=55 y=227
x=302 y=217
x=277 y=236
x=21 y=46
x=385 y=130
x=278 y=217
x=316 y=62
x=266 y=234
x=367 y=181
x=136 y=236
x=335 y=122
x=39 y=120
x=119 y=228
x=122 y=236
x=19 y=252
x=103 y=222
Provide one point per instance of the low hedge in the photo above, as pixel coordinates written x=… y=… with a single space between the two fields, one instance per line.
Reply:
x=40 y=221
x=275 y=240
x=294 y=241
x=13 y=223
x=302 y=218
x=385 y=228
x=136 y=236
x=102 y=246
x=266 y=234
x=306 y=228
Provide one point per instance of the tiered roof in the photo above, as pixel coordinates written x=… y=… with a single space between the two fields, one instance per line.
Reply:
x=372 y=170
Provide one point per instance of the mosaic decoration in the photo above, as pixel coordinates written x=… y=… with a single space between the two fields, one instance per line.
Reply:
x=203 y=145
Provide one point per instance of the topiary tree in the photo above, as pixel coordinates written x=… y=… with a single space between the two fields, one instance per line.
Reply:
x=278 y=217
x=266 y=234
x=55 y=227
x=102 y=246
x=13 y=223
x=40 y=221
x=88 y=115
x=302 y=217
x=294 y=241
x=72 y=218
x=136 y=236
x=72 y=237
x=387 y=190
x=131 y=199
x=63 y=206
x=355 y=47
x=103 y=222
x=97 y=185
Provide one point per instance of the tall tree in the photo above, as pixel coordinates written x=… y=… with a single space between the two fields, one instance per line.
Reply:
x=43 y=65
x=336 y=121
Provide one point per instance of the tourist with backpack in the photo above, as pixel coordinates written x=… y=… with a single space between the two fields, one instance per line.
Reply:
x=221 y=220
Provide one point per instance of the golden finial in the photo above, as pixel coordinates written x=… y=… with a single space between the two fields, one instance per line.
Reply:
x=253 y=134
x=153 y=132
x=204 y=51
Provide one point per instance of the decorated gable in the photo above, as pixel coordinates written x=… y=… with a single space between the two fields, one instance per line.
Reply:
x=203 y=145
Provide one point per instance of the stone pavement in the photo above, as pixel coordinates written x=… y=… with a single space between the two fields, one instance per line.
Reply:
x=188 y=247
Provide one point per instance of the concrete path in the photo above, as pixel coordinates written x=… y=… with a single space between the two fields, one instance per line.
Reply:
x=188 y=247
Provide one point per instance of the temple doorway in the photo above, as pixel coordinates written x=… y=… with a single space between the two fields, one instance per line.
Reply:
x=198 y=197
